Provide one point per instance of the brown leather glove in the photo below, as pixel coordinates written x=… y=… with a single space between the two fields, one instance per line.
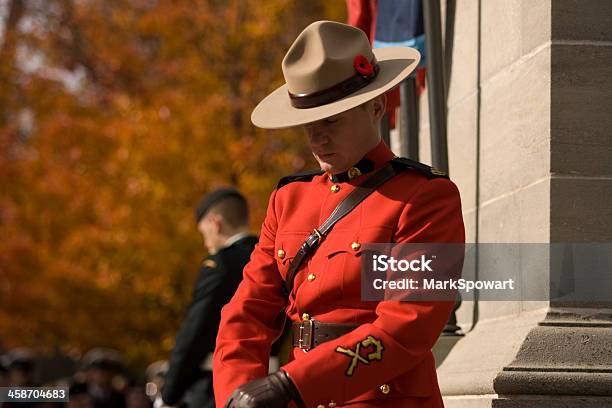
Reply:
x=273 y=391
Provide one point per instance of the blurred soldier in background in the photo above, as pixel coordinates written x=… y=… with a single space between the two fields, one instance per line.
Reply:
x=222 y=219
x=101 y=367
x=156 y=375
x=19 y=364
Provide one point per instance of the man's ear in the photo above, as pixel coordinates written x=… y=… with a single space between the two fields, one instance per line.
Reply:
x=379 y=104
x=217 y=222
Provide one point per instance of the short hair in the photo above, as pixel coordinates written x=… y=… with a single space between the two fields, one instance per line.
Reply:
x=233 y=210
x=228 y=203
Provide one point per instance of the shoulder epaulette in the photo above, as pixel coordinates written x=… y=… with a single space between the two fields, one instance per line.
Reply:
x=428 y=171
x=303 y=176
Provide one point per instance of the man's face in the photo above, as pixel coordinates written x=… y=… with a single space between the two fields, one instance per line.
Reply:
x=340 y=141
x=100 y=377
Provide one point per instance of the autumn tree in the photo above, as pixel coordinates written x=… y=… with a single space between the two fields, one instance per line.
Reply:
x=115 y=116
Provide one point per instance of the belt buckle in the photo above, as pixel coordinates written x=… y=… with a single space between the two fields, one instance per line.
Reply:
x=305 y=338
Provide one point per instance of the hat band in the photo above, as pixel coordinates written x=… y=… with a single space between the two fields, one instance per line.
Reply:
x=333 y=93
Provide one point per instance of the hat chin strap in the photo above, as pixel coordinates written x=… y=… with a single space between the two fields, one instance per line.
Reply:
x=333 y=93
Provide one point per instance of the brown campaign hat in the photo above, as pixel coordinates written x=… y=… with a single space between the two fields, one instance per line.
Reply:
x=331 y=68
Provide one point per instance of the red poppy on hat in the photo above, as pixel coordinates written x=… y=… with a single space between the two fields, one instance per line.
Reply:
x=363 y=66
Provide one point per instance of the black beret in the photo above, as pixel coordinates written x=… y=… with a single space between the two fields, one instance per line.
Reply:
x=214 y=197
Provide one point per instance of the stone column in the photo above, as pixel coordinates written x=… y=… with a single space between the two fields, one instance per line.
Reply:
x=566 y=360
x=530 y=147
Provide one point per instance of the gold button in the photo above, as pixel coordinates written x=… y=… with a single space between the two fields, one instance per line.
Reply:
x=332 y=404
x=355 y=246
x=335 y=188
x=320 y=406
x=305 y=316
x=312 y=277
x=385 y=389
x=281 y=254
x=353 y=172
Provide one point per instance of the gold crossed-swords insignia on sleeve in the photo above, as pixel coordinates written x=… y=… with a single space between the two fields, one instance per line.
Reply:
x=356 y=357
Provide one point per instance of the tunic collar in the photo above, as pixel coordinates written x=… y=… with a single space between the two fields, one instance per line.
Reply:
x=235 y=238
x=373 y=160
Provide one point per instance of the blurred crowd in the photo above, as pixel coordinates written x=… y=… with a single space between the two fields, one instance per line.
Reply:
x=98 y=380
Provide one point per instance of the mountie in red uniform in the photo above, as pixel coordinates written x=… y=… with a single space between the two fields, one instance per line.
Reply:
x=384 y=359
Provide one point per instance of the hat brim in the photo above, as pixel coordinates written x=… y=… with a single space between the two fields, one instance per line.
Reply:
x=276 y=112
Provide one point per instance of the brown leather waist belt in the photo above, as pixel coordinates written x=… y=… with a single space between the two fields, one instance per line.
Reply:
x=311 y=333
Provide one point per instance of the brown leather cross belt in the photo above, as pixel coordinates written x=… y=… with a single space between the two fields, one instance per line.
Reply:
x=311 y=333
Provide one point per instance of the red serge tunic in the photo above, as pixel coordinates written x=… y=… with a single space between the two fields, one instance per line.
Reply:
x=414 y=206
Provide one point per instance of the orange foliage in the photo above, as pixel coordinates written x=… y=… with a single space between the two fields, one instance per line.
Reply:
x=115 y=116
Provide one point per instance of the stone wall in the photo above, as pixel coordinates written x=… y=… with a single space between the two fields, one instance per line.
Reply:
x=530 y=147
